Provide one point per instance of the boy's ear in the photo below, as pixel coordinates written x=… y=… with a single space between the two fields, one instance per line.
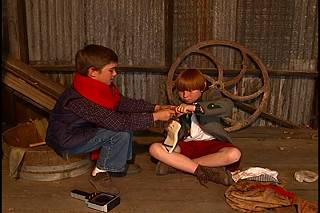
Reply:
x=92 y=71
x=205 y=86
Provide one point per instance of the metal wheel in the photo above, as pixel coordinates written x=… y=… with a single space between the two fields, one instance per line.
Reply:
x=224 y=85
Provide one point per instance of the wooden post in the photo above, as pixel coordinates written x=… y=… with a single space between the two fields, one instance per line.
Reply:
x=5 y=35
x=168 y=31
x=17 y=29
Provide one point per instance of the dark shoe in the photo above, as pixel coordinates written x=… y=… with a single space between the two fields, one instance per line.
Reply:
x=164 y=169
x=132 y=168
x=102 y=183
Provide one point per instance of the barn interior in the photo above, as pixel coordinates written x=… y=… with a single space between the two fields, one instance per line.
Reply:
x=263 y=55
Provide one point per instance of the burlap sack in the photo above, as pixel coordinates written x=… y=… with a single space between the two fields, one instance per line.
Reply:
x=253 y=196
x=20 y=138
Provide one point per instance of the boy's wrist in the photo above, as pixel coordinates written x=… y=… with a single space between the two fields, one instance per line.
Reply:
x=155 y=116
x=156 y=107
x=198 y=108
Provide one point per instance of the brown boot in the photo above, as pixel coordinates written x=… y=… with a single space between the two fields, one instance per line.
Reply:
x=102 y=183
x=164 y=169
x=217 y=175
x=201 y=176
x=133 y=169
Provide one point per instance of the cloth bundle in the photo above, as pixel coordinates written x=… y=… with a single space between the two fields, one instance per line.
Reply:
x=255 y=196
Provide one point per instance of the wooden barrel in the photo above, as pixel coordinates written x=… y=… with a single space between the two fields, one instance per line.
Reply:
x=41 y=163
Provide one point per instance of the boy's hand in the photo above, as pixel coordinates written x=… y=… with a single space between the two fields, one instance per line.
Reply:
x=161 y=107
x=163 y=115
x=185 y=108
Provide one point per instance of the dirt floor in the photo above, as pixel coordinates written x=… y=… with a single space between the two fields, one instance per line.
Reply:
x=280 y=149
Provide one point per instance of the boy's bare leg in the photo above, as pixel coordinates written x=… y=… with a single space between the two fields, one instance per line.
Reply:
x=204 y=173
x=223 y=157
x=173 y=159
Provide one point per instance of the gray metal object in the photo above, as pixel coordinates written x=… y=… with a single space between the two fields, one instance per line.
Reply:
x=97 y=200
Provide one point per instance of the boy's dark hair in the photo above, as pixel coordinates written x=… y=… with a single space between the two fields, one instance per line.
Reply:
x=191 y=79
x=94 y=56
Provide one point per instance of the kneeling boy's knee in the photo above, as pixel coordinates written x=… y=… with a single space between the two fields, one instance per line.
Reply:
x=124 y=135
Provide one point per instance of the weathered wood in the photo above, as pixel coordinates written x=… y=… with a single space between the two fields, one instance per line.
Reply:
x=32 y=77
x=41 y=163
x=49 y=91
x=36 y=95
x=168 y=22
x=30 y=101
x=71 y=68
x=164 y=70
x=175 y=192
x=282 y=33
x=23 y=34
x=273 y=118
x=17 y=30
x=4 y=27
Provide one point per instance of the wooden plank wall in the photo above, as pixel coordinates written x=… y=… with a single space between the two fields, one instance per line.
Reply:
x=284 y=34
x=134 y=29
x=148 y=35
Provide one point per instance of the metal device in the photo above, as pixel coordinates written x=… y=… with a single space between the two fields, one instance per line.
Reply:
x=101 y=201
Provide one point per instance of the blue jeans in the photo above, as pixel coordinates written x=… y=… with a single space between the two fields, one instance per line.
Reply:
x=116 y=149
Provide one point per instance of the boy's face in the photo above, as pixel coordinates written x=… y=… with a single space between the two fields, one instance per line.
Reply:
x=190 y=97
x=106 y=74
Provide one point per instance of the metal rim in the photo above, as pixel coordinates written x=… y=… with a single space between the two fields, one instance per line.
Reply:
x=221 y=84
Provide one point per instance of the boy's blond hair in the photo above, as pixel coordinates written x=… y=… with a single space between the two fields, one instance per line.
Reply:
x=191 y=79
x=94 y=56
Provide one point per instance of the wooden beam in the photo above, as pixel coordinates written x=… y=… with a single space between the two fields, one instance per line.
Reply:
x=164 y=70
x=23 y=33
x=17 y=29
x=271 y=73
x=29 y=91
x=168 y=22
x=70 y=68
x=29 y=100
x=32 y=77
x=268 y=116
x=5 y=29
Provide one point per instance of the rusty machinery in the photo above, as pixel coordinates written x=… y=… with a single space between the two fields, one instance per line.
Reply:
x=225 y=85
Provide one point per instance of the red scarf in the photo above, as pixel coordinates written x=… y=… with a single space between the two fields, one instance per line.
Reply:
x=105 y=95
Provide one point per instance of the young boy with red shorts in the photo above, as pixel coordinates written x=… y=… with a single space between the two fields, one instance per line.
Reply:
x=204 y=147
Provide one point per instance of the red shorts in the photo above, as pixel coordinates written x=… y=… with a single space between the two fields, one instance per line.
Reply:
x=196 y=149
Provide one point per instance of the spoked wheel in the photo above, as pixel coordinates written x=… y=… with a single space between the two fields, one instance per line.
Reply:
x=228 y=87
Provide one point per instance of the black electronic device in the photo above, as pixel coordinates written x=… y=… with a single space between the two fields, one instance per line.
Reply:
x=101 y=201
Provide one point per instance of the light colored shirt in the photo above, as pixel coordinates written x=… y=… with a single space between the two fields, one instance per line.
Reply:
x=196 y=133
